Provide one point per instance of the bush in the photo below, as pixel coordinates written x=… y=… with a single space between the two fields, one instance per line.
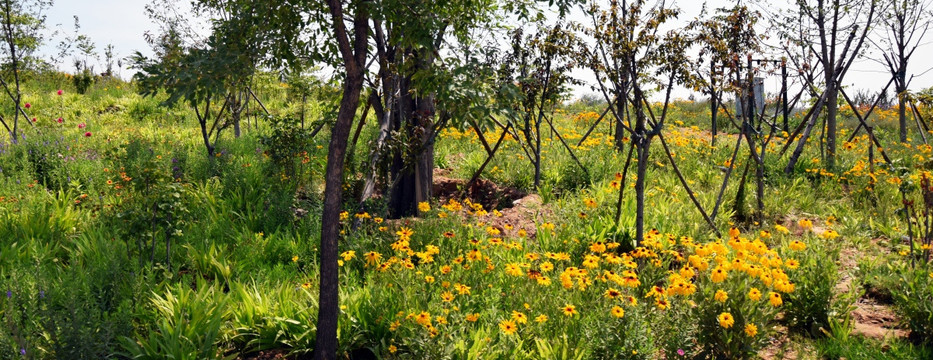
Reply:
x=811 y=305
x=913 y=300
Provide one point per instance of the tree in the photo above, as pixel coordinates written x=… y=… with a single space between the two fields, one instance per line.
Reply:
x=353 y=50
x=21 y=22
x=423 y=50
x=539 y=66
x=834 y=32
x=905 y=23
x=631 y=53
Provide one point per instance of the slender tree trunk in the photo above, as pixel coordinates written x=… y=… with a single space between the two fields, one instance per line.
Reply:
x=641 y=173
x=831 y=110
x=325 y=345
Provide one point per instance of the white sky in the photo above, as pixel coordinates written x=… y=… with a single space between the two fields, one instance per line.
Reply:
x=123 y=23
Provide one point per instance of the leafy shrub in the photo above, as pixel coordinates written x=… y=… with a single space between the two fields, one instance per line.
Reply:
x=811 y=305
x=186 y=324
x=913 y=300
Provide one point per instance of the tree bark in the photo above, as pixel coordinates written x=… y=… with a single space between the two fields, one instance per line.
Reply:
x=325 y=345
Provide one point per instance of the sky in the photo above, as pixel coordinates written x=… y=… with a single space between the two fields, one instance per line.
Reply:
x=124 y=22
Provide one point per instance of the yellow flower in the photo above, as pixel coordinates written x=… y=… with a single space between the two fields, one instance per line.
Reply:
x=508 y=327
x=719 y=274
x=295 y=258
x=462 y=289
x=447 y=296
x=797 y=245
x=613 y=293
x=618 y=312
x=569 y=310
x=721 y=296
x=765 y=234
x=513 y=269
x=372 y=257
x=590 y=203
x=429 y=279
x=344 y=215
x=792 y=264
x=424 y=206
x=781 y=229
x=541 y=318
x=734 y=232
x=522 y=233
x=472 y=317
x=519 y=317
x=404 y=234
x=754 y=294
x=805 y=224
x=392 y=349
x=726 y=320
x=751 y=330
x=775 y=299
x=347 y=255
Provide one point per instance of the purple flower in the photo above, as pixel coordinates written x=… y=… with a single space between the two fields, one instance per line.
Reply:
x=9 y=294
x=22 y=351
x=680 y=352
x=42 y=294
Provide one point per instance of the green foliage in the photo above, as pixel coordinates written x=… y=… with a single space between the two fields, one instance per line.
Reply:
x=913 y=299
x=811 y=306
x=83 y=80
x=187 y=324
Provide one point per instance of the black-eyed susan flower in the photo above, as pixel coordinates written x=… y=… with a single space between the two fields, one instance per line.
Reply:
x=751 y=330
x=726 y=320
x=508 y=327
x=618 y=312
x=519 y=317
x=721 y=296
x=754 y=294
x=775 y=299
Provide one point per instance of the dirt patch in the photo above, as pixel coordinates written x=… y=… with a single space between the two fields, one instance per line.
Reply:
x=482 y=191
x=872 y=318
x=278 y=354
x=518 y=210
x=876 y=320
x=780 y=346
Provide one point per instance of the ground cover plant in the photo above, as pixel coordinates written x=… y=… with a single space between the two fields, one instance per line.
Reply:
x=132 y=226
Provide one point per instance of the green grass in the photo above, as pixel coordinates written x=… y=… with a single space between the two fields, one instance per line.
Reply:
x=227 y=266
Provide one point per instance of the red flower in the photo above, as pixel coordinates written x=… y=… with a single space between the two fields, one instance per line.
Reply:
x=60 y=92
x=28 y=105
x=81 y=126
x=87 y=134
x=34 y=119
x=60 y=120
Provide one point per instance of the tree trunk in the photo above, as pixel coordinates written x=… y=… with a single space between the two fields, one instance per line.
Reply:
x=831 y=109
x=413 y=173
x=641 y=173
x=902 y=105
x=325 y=345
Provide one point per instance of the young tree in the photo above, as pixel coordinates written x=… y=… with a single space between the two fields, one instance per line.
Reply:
x=835 y=32
x=905 y=24
x=539 y=67
x=631 y=53
x=22 y=22
x=353 y=49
